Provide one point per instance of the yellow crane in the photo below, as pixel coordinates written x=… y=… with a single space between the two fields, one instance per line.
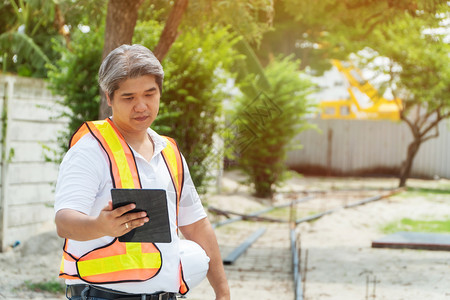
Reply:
x=380 y=108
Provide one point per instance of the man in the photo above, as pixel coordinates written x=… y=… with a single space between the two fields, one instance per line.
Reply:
x=123 y=152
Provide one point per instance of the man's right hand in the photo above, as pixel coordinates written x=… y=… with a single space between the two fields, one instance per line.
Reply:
x=117 y=222
x=78 y=226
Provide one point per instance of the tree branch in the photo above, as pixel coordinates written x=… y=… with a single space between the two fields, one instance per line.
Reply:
x=433 y=124
x=170 y=31
x=59 y=23
x=426 y=117
x=408 y=122
x=431 y=136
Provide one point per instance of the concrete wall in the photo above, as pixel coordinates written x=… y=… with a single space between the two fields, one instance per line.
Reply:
x=353 y=147
x=29 y=123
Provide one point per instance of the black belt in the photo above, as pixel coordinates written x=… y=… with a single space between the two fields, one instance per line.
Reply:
x=78 y=290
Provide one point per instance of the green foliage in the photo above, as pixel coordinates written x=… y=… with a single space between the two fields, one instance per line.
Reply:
x=431 y=193
x=191 y=103
x=74 y=76
x=30 y=57
x=249 y=19
x=421 y=74
x=406 y=224
x=416 y=48
x=28 y=26
x=24 y=41
x=316 y=31
x=266 y=125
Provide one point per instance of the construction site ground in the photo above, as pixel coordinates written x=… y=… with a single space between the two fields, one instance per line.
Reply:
x=337 y=261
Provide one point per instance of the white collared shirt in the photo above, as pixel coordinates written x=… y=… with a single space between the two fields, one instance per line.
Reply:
x=84 y=184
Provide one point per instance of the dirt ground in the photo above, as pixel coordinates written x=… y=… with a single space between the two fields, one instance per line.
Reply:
x=340 y=263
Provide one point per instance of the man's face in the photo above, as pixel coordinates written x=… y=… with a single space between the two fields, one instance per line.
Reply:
x=135 y=103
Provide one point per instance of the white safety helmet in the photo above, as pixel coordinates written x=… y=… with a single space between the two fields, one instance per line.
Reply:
x=194 y=261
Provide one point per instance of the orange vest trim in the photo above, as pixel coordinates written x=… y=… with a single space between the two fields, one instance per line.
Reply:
x=109 y=264
x=122 y=262
x=121 y=159
x=67 y=258
x=174 y=163
x=183 y=285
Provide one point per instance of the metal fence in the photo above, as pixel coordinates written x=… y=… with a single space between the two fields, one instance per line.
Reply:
x=356 y=147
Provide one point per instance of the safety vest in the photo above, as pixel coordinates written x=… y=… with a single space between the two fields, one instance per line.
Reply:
x=117 y=261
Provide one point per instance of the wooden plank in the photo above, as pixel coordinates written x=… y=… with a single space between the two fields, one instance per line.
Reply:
x=414 y=240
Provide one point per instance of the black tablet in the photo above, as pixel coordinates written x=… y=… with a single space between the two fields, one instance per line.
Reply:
x=154 y=202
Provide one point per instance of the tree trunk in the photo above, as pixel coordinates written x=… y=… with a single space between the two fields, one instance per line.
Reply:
x=121 y=19
x=59 y=23
x=405 y=170
x=170 y=31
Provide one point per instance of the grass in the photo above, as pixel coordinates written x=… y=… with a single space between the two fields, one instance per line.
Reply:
x=429 y=191
x=439 y=193
x=406 y=224
x=53 y=286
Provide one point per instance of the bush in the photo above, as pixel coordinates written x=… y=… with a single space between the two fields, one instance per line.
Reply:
x=74 y=76
x=265 y=125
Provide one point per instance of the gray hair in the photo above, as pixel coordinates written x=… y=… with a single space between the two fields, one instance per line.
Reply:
x=128 y=61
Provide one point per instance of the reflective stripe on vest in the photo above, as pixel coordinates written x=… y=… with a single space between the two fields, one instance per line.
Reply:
x=121 y=262
x=172 y=158
x=121 y=159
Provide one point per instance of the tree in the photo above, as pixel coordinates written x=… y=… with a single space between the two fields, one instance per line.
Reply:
x=317 y=31
x=170 y=31
x=121 y=19
x=419 y=75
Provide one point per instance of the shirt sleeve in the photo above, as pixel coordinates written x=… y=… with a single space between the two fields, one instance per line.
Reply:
x=80 y=177
x=191 y=208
